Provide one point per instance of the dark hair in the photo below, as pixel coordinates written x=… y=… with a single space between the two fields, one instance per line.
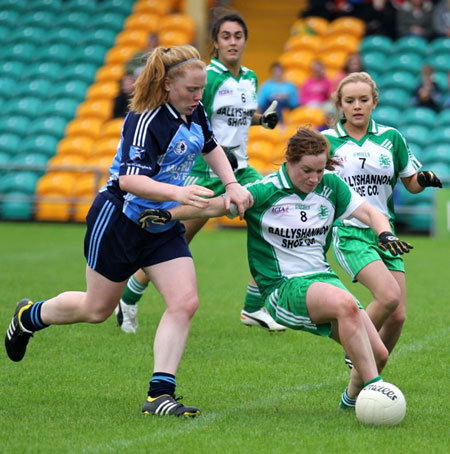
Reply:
x=307 y=141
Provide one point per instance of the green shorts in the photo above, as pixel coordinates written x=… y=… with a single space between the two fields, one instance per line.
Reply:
x=243 y=176
x=287 y=304
x=354 y=248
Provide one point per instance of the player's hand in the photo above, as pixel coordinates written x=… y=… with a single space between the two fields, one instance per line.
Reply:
x=240 y=196
x=231 y=159
x=154 y=216
x=427 y=178
x=269 y=119
x=194 y=195
x=389 y=242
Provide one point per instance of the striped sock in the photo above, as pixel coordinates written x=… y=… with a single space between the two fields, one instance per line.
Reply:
x=133 y=291
x=162 y=383
x=253 y=300
x=31 y=318
x=347 y=402
x=374 y=380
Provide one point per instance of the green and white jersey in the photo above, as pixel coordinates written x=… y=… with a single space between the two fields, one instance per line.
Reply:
x=371 y=166
x=230 y=103
x=288 y=232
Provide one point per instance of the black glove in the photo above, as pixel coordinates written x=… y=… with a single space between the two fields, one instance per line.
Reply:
x=153 y=216
x=428 y=178
x=231 y=158
x=389 y=242
x=269 y=119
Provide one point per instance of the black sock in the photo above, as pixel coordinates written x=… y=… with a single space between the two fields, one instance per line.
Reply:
x=162 y=383
x=31 y=318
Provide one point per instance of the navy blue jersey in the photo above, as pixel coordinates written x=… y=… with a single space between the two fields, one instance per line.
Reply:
x=160 y=145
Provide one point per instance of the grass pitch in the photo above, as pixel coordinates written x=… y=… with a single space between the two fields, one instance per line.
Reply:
x=79 y=388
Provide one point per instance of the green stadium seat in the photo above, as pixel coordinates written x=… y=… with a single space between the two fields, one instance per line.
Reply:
x=387 y=115
x=123 y=7
x=443 y=119
x=53 y=6
x=102 y=36
x=93 y=53
x=85 y=6
x=436 y=153
x=44 y=19
x=65 y=35
x=43 y=70
x=7 y=85
x=12 y=69
x=57 y=53
x=441 y=78
x=28 y=106
x=4 y=33
x=27 y=34
x=398 y=79
x=84 y=72
x=17 y=206
x=61 y=107
x=421 y=222
x=377 y=43
x=439 y=46
x=42 y=144
x=373 y=61
x=16 y=181
x=410 y=45
x=15 y=5
x=33 y=162
x=395 y=97
x=440 y=62
x=74 y=19
x=9 y=17
x=9 y=143
x=113 y=21
x=15 y=124
x=51 y=126
x=439 y=135
x=23 y=52
x=38 y=88
x=419 y=116
x=74 y=89
x=416 y=134
x=404 y=62
x=4 y=160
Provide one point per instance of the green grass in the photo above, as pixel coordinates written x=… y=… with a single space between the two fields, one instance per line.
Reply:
x=80 y=387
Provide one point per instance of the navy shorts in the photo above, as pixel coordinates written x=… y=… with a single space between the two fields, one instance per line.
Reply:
x=116 y=247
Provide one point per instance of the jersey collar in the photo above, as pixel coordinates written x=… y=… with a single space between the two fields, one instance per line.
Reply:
x=373 y=129
x=219 y=65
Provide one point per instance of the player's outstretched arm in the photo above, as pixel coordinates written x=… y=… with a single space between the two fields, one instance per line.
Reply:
x=380 y=225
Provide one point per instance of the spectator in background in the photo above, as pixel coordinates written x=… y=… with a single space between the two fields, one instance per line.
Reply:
x=277 y=89
x=137 y=61
x=427 y=94
x=122 y=100
x=317 y=88
x=441 y=18
x=415 y=17
x=331 y=116
x=353 y=65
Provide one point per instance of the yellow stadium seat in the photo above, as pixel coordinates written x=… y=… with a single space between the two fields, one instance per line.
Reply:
x=169 y=38
x=81 y=145
x=311 y=43
x=260 y=149
x=347 y=25
x=60 y=183
x=158 y=7
x=300 y=59
x=296 y=75
x=106 y=146
x=69 y=163
x=96 y=108
x=143 y=21
x=101 y=163
x=333 y=59
x=110 y=73
x=347 y=43
x=103 y=90
x=319 y=25
x=260 y=133
x=178 y=22
x=137 y=38
x=120 y=54
x=89 y=127
x=305 y=115
x=235 y=222
x=112 y=128
x=84 y=191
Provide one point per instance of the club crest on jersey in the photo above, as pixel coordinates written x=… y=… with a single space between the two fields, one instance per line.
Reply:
x=323 y=212
x=136 y=153
x=384 y=161
x=180 y=147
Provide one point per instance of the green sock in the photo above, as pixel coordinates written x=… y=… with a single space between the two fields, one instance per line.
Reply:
x=133 y=291
x=347 y=402
x=253 y=300
x=373 y=381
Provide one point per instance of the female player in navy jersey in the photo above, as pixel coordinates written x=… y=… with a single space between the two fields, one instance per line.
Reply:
x=163 y=134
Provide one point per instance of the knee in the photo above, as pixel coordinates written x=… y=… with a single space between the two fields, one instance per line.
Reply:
x=348 y=309
x=390 y=298
x=97 y=316
x=187 y=305
x=395 y=321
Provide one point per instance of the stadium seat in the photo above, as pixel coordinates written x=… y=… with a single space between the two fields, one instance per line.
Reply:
x=112 y=128
x=16 y=206
x=347 y=25
x=84 y=191
x=103 y=90
x=74 y=19
x=85 y=6
x=303 y=42
x=43 y=19
x=9 y=143
x=67 y=163
x=145 y=21
x=6 y=86
x=64 y=35
x=439 y=135
x=297 y=59
x=110 y=73
x=51 y=126
x=410 y=44
x=9 y=17
x=54 y=6
x=387 y=115
x=4 y=33
x=378 y=43
x=28 y=106
x=12 y=69
x=404 y=62
x=156 y=7
x=16 y=124
x=101 y=36
x=318 y=24
x=43 y=144
x=346 y=43
x=419 y=116
x=296 y=75
x=120 y=54
x=395 y=97
x=416 y=134
x=306 y=115
x=57 y=52
x=91 y=53
x=440 y=62
x=439 y=46
x=333 y=59
x=16 y=181
x=397 y=79
x=23 y=52
x=110 y=20
x=81 y=145
x=74 y=89
x=96 y=108
x=63 y=107
x=123 y=7
x=443 y=119
x=101 y=163
x=88 y=127
x=107 y=146
x=30 y=34
x=37 y=88
x=271 y=136
x=373 y=61
x=84 y=72
x=34 y=162
x=178 y=22
x=44 y=70
x=260 y=149
x=137 y=38
x=442 y=80
x=169 y=38
x=436 y=153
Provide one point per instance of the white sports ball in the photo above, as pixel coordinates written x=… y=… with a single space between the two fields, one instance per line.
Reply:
x=381 y=403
